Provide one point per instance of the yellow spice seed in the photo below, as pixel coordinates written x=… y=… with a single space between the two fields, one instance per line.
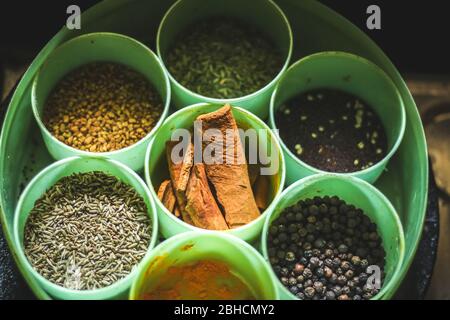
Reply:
x=102 y=97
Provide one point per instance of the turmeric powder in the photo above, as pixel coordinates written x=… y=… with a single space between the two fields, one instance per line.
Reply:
x=202 y=280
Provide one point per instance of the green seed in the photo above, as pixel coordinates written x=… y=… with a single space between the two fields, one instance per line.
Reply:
x=223 y=58
x=76 y=232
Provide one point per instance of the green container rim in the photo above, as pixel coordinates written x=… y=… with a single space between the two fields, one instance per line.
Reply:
x=230 y=100
x=112 y=289
x=396 y=276
x=112 y=35
x=375 y=68
x=192 y=235
x=176 y=220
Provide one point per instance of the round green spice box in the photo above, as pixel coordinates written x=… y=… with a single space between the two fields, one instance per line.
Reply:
x=99 y=47
x=47 y=178
x=352 y=74
x=241 y=257
x=156 y=166
x=268 y=18
x=360 y=194
x=310 y=20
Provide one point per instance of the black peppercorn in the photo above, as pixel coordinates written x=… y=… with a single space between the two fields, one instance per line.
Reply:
x=327 y=272
x=308 y=283
x=292 y=281
x=318 y=286
x=343 y=297
x=273 y=230
x=300 y=295
x=343 y=208
x=281 y=254
x=298 y=268
x=349 y=274
x=284 y=272
x=330 y=295
x=345 y=265
x=364 y=263
x=335 y=201
x=309 y=292
x=314 y=262
x=290 y=256
x=333 y=278
x=328 y=253
x=302 y=232
x=310 y=227
x=292 y=228
x=283 y=237
x=356 y=261
x=341 y=280
x=323 y=208
x=320 y=272
x=343 y=248
x=307 y=273
x=313 y=210
x=319 y=243
x=345 y=290
x=295 y=237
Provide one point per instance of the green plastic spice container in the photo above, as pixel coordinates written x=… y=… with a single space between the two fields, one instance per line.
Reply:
x=46 y=179
x=242 y=259
x=268 y=19
x=351 y=74
x=156 y=170
x=360 y=194
x=99 y=47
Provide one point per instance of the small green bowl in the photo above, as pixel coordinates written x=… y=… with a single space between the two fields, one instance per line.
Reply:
x=156 y=170
x=362 y=195
x=189 y=247
x=95 y=47
x=268 y=18
x=352 y=74
x=46 y=179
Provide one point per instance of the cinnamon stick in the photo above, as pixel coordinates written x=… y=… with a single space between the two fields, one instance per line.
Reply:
x=261 y=191
x=230 y=179
x=180 y=172
x=167 y=196
x=200 y=203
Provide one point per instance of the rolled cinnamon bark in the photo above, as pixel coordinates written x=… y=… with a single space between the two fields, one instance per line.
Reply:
x=167 y=196
x=230 y=179
x=200 y=203
x=261 y=192
x=180 y=172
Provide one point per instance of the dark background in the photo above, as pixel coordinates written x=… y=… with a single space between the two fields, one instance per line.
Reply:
x=414 y=34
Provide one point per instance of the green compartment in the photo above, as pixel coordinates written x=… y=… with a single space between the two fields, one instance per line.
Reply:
x=45 y=180
x=243 y=260
x=269 y=19
x=93 y=47
x=315 y=28
x=362 y=195
x=352 y=74
x=156 y=170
